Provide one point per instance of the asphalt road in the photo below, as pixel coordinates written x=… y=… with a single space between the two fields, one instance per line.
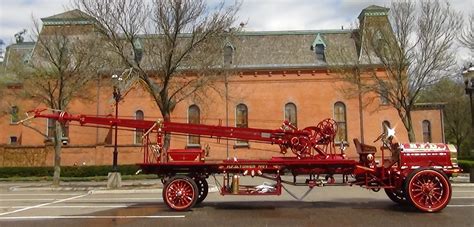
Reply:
x=327 y=206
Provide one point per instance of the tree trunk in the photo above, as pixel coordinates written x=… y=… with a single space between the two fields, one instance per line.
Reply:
x=167 y=137
x=406 y=120
x=57 y=153
x=409 y=127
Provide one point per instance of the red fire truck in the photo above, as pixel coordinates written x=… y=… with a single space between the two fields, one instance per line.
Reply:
x=414 y=174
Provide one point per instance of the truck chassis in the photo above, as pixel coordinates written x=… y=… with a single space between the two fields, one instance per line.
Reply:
x=414 y=174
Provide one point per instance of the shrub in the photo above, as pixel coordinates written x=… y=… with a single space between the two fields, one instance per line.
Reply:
x=66 y=171
x=466 y=165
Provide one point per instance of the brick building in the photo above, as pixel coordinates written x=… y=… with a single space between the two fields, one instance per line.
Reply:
x=276 y=75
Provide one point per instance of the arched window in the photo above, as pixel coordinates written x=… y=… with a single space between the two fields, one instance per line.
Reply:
x=241 y=120
x=194 y=117
x=139 y=115
x=426 y=131
x=228 y=55
x=14 y=114
x=51 y=126
x=340 y=118
x=385 y=126
x=290 y=113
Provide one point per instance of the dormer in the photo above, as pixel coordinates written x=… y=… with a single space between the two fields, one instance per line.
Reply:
x=228 y=54
x=319 y=48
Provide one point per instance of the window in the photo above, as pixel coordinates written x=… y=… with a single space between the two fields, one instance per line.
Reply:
x=385 y=126
x=14 y=114
x=340 y=118
x=426 y=131
x=139 y=115
x=13 y=140
x=383 y=96
x=50 y=132
x=194 y=117
x=228 y=55
x=290 y=113
x=241 y=120
x=51 y=127
x=319 y=49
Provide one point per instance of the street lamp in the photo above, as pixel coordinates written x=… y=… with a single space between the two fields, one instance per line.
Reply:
x=117 y=97
x=468 y=74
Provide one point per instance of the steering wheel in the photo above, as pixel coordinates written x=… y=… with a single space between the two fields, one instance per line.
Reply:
x=327 y=129
x=379 y=137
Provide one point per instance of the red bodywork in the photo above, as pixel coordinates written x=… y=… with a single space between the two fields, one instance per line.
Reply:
x=315 y=157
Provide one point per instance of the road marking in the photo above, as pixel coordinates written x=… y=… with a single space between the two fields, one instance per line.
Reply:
x=79 y=206
x=87 y=200
x=468 y=205
x=44 y=204
x=463 y=197
x=118 y=199
x=12 y=200
x=89 y=217
x=38 y=194
x=463 y=191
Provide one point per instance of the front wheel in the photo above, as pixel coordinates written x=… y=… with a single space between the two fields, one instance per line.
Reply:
x=428 y=190
x=180 y=193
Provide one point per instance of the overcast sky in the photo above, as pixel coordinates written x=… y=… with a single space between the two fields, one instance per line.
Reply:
x=16 y=15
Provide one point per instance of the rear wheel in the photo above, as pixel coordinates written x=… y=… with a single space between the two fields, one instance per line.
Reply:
x=428 y=190
x=180 y=193
x=203 y=189
x=397 y=195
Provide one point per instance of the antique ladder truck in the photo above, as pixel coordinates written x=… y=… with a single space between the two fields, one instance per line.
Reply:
x=413 y=174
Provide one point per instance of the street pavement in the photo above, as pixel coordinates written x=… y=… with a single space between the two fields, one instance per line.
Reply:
x=139 y=203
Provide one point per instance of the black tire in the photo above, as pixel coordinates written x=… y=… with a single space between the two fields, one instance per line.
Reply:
x=180 y=193
x=397 y=195
x=424 y=184
x=203 y=189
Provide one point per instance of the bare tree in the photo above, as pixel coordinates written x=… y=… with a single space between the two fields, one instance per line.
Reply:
x=415 y=50
x=173 y=46
x=467 y=36
x=62 y=63
x=456 y=112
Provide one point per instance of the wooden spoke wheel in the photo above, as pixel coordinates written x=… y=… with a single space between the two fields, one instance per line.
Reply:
x=180 y=193
x=428 y=190
x=397 y=195
x=203 y=189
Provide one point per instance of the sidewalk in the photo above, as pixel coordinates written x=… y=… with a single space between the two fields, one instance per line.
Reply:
x=145 y=186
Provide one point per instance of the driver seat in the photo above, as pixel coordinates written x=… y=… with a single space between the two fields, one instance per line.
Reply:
x=364 y=148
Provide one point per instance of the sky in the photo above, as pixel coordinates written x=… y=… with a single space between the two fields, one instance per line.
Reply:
x=260 y=15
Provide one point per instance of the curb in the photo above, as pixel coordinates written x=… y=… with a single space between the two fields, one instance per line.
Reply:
x=97 y=190
x=462 y=184
x=212 y=188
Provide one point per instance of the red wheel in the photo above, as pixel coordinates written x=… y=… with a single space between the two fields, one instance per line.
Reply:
x=180 y=193
x=428 y=190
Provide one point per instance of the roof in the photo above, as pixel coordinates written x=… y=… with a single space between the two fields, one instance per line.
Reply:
x=374 y=10
x=70 y=17
x=429 y=106
x=286 y=49
x=18 y=51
